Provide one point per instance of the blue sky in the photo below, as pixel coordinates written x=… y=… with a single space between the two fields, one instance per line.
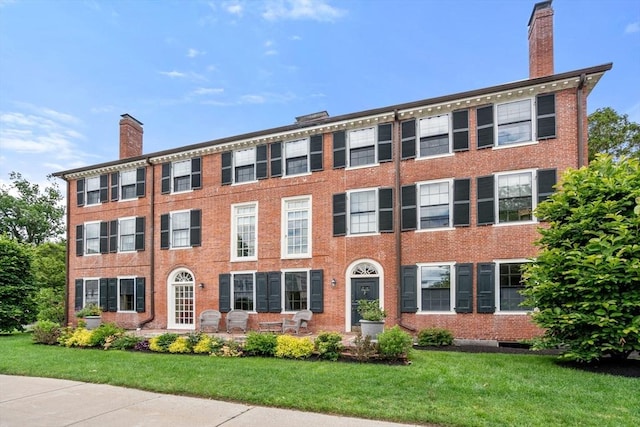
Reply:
x=194 y=71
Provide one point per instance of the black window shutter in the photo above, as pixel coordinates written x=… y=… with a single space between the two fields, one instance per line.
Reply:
x=339 y=149
x=315 y=153
x=104 y=237
x=80 y=191
x=408 y=137
x=484 y=120
x=261 y=162
x=104 y=188
x=408 y=289
x=114 y=186
x=486 y=286
x=275 y=299
x=164 y=231
x=340 y=214
x=461 y=202
x=112 y=294
x=317 y=291
x=104 y=294
x=140 y=291
x=409 y=208
x=262 y=293
x=224 y=299
x=139 y=234
x=486 y=208
x=385 y=210
x=141 y=176
x=385 y=152
x=79 y=240
x=196 y=173
x=79 y=294
x=166 y=178
x=195 y=227
x=276 y=158
x=113 y=236
x=546 y=181
x=461 y=130
x=546 y=112
x=227 y=171
x=464 y=288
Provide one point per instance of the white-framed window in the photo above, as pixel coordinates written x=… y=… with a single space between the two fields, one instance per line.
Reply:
x=181 y=172
x=296 y=155
x=363 y=211
x=126 y=294
x=362 y=147
x=180 y=228
x=436 y=283
x=514 y=122
x=434 y=136
x=92 y=238
x=91 y=292
x=244 y=165
x=244 y=231
x=126 y=234
x=436 y=204
x=509 y=285
x=128 y=184
x=296 y=290
x=515 y=196
x=296 y=225
x=243 y=291
x=93 y=190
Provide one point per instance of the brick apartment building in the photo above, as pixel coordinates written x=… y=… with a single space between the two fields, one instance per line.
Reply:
x=427 y=206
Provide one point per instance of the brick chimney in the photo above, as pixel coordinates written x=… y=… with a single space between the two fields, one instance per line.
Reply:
x=541 y=40
x=130 y=137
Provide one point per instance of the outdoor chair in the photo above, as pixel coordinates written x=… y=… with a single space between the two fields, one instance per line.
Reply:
x=210 y=319
x=299 y=320
x=237 y=319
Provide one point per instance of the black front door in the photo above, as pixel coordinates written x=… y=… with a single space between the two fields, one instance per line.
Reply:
x=362 y=289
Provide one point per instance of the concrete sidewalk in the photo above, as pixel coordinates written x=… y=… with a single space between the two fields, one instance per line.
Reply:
x=39 y=402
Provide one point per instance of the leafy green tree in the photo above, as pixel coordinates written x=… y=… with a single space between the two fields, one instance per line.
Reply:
x=585 y=282
x=612 y=133
x=17 y=307
x=28 y=214
x=49 y=266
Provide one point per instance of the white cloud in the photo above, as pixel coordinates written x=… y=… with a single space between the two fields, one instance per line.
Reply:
x=234 y=8
x=296 y=38
x=271 y=52
x=192 y=53
x=632 y=28
x=315 y=10
x=181 y=75
x=4 y=3
x=207 y=91
x=252 y=99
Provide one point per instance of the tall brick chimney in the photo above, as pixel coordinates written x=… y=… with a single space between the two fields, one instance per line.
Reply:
x=130 y=137
x=541 y=40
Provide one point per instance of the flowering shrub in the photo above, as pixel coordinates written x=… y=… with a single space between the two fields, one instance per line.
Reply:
x=162 y=342
x=293 y=347
x=329 y=345
x=142 y=346
x=203 y=346
x=180 y=345
x=79 y=338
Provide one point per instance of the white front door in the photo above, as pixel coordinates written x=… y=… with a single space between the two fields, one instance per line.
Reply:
x=181 y=304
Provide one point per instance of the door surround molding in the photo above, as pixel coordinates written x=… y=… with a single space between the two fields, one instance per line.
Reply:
x=354 y=270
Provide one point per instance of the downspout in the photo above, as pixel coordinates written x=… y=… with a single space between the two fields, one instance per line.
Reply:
x=398 y=217
x=66 y=258
x=152 y=258
x=579 y=109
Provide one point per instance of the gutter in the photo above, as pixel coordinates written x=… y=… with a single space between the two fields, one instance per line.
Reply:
x=580 y=110
x=152 y=258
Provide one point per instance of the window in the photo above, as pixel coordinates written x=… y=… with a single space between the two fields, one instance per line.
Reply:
x=127 y=239
x=180 y=229
x=362 y=146
x=128 y=185
x=92 y=238
x=514 y=122
x=296 y=157
x=296 y=290
x=436 y=289
x=435 y=205
x=91 y=292
x=297 y=227
x=243 y=292
x=183 y=175
x=244 y=164
x=244 y=231
x=126 y=294
x=510 y=286
x=93 y=190
x=434 y=136
x=363 y=212
x=515 y=198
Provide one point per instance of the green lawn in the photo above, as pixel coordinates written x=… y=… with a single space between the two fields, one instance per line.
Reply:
x=448 y=388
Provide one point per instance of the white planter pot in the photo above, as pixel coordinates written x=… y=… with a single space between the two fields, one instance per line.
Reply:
x=92 y=322
x=371 y=328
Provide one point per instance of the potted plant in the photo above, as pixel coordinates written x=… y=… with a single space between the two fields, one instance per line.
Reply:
x=91 y=315
x=372 y=318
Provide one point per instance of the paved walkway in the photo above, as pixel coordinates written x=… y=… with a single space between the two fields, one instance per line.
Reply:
x=40 y=402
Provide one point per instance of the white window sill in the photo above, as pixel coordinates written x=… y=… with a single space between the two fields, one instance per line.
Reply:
x=179 y=192
x=427 y=230
x=365 y=234
x=434 y=156
x=513 y=223
x=512 y=313
x=362 y=166
x=439 y=313
x=244 y=182
x=517 y=144
x=296 y=175
x=297 y=256
x=244 y=259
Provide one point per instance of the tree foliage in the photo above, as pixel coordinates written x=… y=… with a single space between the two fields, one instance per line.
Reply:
x=49 y=266
x=612 y=133
x=585 y=282
x=28 y=214
x=17 y=306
